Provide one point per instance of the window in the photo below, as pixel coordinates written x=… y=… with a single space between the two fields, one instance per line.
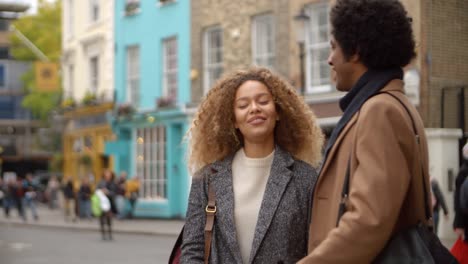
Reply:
x=132 y=6
x=94 y=10
x=4 y=53
x=163 y=2
x=93 y=74
x=2 y=76
x=4 y=25
x=71 y=80
x=317 y=51
x=170 y=68
x=213 y=56
x=69 y=19
x=263 y=41
x=133 y=75
x=151 y=162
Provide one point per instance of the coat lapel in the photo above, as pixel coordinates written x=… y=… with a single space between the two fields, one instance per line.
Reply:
x=335 y=147
x=280 y=175
x=221 y=180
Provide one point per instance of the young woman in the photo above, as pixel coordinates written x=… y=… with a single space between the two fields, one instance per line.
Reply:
x=255 y=141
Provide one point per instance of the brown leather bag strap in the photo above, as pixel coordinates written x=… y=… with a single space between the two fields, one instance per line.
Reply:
x=425 y=178
x=210 y=211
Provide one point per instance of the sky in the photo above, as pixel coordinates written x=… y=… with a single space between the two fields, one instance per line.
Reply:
x=33 y=3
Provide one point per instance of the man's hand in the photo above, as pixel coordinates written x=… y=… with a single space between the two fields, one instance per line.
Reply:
x=446 y=216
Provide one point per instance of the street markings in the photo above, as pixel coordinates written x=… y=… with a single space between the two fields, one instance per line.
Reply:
x=15 y=246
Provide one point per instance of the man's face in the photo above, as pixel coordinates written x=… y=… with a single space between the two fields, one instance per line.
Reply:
x=342 y=68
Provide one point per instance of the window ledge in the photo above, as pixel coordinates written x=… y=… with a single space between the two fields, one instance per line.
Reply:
x=132 y=12
x=325 y=97
x=95 y=24
x=165 y=3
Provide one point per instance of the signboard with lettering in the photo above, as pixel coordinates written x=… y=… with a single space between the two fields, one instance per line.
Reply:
x=46 y=74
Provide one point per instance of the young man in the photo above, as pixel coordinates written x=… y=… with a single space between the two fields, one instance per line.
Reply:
x=371 y=41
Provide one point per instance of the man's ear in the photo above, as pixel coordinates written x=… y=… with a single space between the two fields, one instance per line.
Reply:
x=355 y=58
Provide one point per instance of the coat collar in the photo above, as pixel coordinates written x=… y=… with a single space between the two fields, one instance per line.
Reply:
x=280 y=175
x=395 y=85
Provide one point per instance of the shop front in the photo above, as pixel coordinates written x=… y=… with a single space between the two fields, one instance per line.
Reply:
x=150 y=146
x=86 y=132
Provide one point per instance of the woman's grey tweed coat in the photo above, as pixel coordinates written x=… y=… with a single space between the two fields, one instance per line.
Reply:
x=283 y=222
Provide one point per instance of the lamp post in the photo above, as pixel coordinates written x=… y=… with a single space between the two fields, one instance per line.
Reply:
x=301 y=20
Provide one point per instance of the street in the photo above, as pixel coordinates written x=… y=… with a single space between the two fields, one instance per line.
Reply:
x=33 y=245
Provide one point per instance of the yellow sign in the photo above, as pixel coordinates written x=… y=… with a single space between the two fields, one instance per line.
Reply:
x=47 y=79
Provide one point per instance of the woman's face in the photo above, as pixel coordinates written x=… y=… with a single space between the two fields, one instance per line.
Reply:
x=255 y=112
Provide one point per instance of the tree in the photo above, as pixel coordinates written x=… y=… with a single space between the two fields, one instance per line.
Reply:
x=44 y=31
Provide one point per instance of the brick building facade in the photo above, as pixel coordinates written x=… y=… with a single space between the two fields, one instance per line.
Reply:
x=440 y=28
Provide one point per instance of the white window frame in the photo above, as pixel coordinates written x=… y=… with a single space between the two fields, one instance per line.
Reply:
x=170 y=70
x=94 y=71
x=210 y=68
x=94 y=4
x=151 y=162
x=133 y=75
x=70 y=19
x=71 y=81
x=263 y=40
x=314 y=67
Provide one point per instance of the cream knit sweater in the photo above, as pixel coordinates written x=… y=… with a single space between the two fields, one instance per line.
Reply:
x=249 y=178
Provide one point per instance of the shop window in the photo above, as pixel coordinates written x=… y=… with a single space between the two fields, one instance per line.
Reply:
x=151 y=162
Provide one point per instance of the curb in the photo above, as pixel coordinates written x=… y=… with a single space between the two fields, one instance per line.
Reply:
x=87 y=228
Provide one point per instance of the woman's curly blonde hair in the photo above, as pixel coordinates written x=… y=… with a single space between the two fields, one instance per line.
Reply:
x=213 y=135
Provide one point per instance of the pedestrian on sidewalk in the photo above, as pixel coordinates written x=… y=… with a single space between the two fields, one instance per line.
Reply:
x=69 y=197
x=8 y=201
x=105 y=214
x=30 y=196
x=18 y=195
x=254 y=141
x=132 y=190
x=460 y=222
x=84 y=198
x=108 y=188
x=2 y=194
x=53 y=187
x=120 y=195
x=438 y=201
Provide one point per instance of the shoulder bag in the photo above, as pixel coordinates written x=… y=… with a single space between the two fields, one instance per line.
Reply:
x=210 y=211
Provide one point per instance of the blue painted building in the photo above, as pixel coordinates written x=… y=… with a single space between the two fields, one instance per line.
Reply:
x=152 y=83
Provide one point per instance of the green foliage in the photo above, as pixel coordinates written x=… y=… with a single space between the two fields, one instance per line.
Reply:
x=68 y=103
x=40 y=103
x=56 y=163
x=44 y=30
x=85 y=160
x=89 y=99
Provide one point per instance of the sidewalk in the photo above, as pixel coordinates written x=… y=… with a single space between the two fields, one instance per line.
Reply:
x=55 y=219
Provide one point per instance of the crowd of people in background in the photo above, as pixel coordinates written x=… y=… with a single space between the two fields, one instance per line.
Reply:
x=24 y=194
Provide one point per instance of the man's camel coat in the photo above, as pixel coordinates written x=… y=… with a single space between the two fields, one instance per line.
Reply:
x=386 y=184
